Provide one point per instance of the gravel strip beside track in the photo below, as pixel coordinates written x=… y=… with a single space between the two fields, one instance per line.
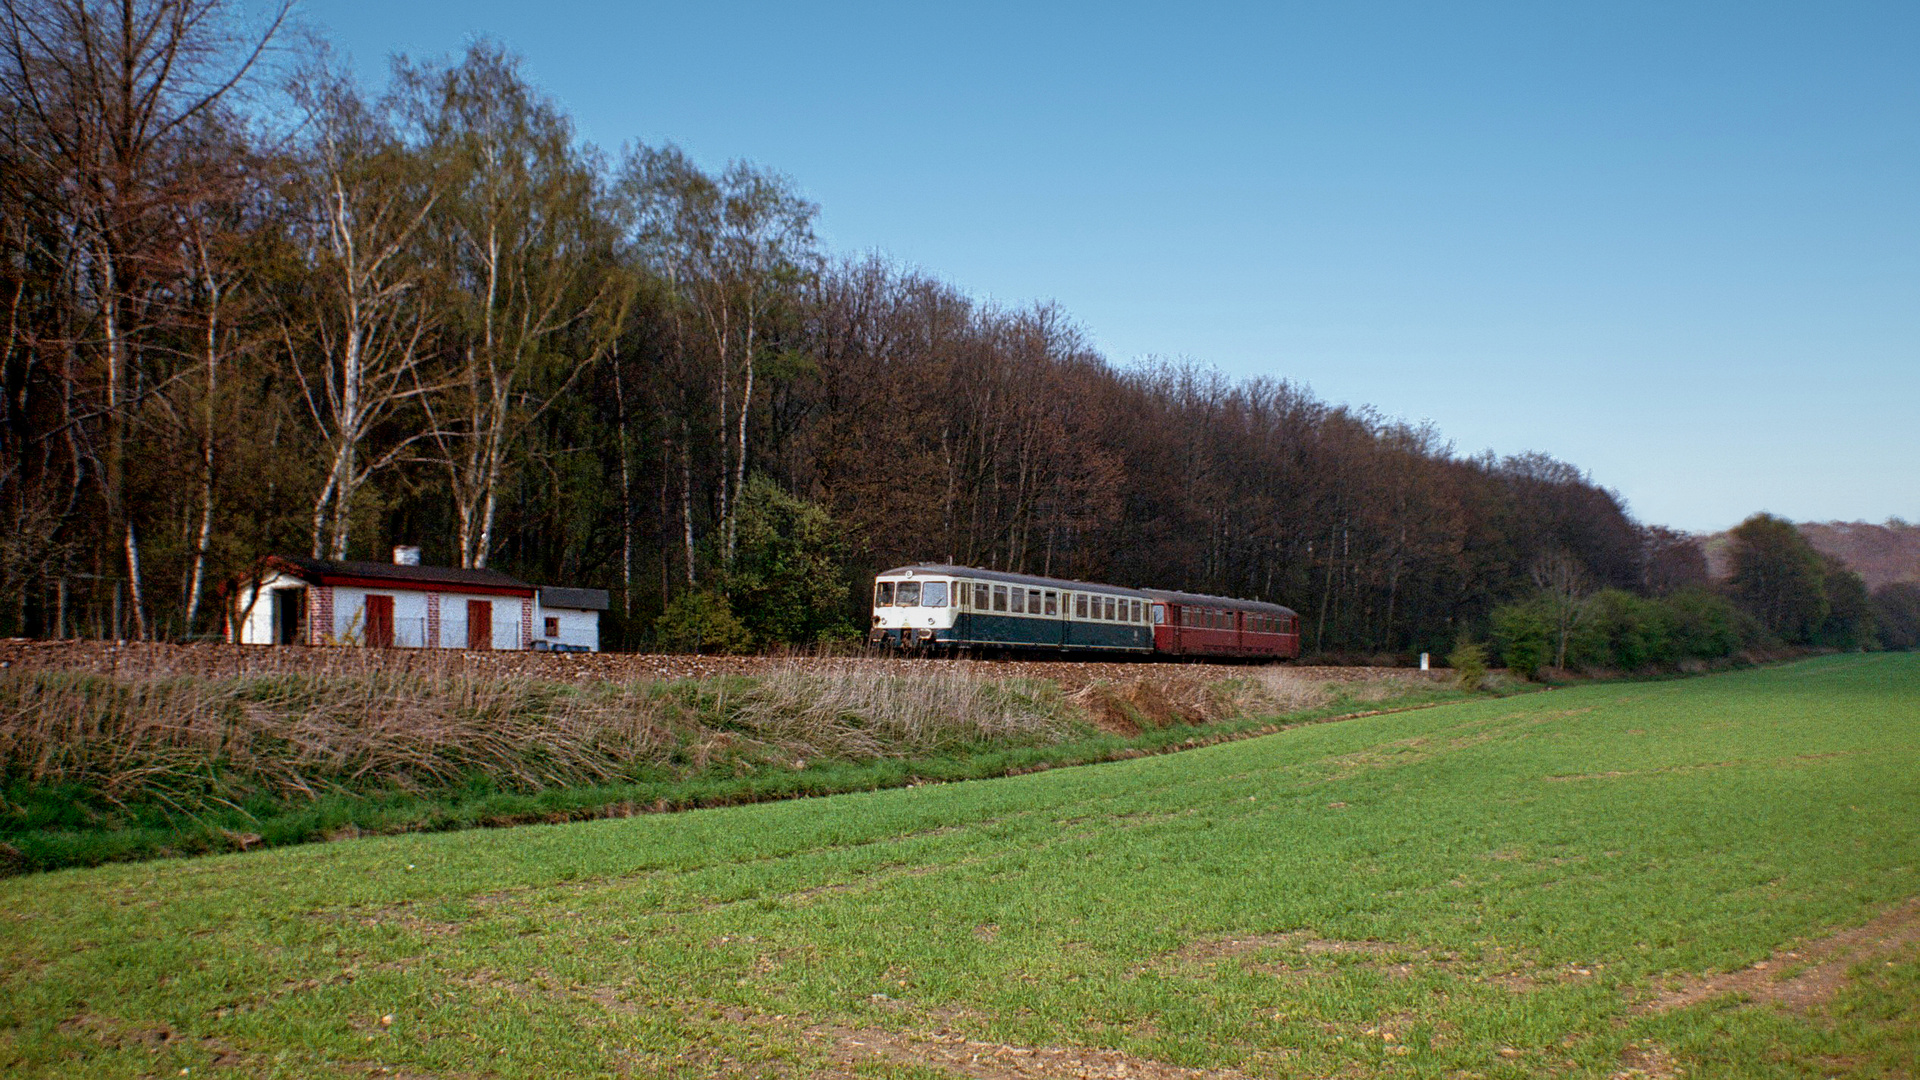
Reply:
x=218 y=660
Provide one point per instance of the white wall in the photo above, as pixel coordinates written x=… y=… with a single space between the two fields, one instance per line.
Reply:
x=349 y=623
x=577 y=626
x=506 y=620
x=256 y=625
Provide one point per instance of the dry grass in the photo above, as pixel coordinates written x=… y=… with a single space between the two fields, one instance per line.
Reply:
x=303 y=724
x=846 y=712
x=181 y=739
x=291 y=735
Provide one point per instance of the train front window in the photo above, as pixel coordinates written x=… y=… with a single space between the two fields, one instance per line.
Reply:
x=883 y=594
x=1159 y=614
x=908 y=594
x=934 y=594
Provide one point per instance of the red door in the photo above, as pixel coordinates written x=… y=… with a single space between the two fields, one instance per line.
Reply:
x=380 y=622
x=480 y=624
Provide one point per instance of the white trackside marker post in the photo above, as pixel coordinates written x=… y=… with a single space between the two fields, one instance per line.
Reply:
x=1425 y=665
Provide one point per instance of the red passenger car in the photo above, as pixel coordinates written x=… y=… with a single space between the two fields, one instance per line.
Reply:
x=1190 y=624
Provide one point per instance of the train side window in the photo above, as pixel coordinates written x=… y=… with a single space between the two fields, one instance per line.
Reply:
x=1159 y=614
x=1109 y=606
x=907 y=594
x=1019 y=601
x=883 y=594
x=1053 y=603
x=934 y=594
x=1080 y=605
x=980 y=595
x=1033 y=601
x=999 y=598
x=1136 y=612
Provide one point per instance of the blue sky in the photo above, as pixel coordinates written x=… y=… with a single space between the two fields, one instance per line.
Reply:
x=1675 y=244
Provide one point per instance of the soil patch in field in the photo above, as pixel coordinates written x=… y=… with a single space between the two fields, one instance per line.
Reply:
x=960 y=1056
x=1291 y=955
x=1806 y=976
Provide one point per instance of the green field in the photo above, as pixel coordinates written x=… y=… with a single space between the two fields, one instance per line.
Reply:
x=1551 y=885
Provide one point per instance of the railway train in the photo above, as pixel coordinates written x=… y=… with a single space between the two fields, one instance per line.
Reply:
x=964 y=610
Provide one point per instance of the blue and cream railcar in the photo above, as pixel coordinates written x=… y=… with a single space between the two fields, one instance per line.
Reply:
x=956 y=609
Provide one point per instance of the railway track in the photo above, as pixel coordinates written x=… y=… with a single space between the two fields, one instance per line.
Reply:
x=214 y=660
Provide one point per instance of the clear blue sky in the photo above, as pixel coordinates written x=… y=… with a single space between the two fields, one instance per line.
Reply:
x=1676 y=244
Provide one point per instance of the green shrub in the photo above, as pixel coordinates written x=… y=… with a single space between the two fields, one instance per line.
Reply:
x=1622 y=632
x=1524 y=633
x=786 y=581
x=701 y=621
x=1469 y=663
x=1706 y=626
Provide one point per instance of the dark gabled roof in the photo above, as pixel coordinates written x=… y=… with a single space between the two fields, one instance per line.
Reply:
x=1203 y=600
x=942 y=569
x=553 y=596
x=323 y=571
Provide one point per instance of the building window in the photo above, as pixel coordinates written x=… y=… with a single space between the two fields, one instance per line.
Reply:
x=553 y=626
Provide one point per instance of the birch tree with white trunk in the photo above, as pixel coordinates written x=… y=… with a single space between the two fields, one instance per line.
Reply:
x=356 y=348
x=733 y=248
x=537 y=294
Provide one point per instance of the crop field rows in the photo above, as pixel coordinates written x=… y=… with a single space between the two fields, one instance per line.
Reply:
x=1706 y=877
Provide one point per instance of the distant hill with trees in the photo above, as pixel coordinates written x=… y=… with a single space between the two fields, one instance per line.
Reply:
x=1880 y=554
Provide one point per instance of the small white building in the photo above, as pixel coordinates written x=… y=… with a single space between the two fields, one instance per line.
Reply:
x=298 y=601
x=570 y=618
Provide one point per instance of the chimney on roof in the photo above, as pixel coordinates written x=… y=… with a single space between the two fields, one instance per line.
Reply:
x=406 y=555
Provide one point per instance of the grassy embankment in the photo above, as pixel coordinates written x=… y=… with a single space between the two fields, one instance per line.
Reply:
x=97 y=768
x=1552 y=885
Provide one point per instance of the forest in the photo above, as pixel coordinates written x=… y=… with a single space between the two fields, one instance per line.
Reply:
x=254 y=306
